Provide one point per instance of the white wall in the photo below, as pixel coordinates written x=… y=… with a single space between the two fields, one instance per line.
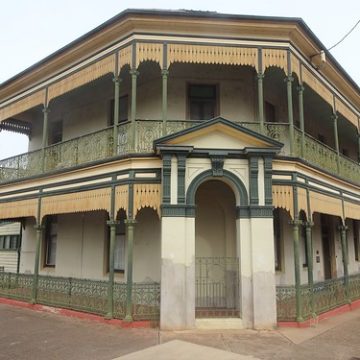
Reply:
x=286 y=275
x=87 y=109
x=82 y=246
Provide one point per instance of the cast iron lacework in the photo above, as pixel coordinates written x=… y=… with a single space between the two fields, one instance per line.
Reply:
x=99 y=146
x=326 y=295
x=84 y=294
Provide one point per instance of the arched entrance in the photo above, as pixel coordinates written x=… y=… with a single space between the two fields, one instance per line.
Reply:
x=216 y=256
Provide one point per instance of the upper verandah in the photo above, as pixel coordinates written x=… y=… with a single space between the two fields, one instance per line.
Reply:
x=206 y=25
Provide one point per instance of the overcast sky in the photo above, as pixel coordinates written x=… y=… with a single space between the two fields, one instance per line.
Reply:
x=33 y=29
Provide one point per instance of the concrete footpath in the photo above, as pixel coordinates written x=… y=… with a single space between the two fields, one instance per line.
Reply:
x=33 y=335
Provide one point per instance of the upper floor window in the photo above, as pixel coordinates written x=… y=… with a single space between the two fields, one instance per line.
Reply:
x=56 y=132
x=270 y=114
x=202 y=101
x=123 y=109
x=51 y=231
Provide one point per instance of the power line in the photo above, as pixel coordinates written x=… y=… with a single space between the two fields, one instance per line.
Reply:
x=345 y=36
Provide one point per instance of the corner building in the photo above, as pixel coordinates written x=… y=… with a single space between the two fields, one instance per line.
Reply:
x=192 y=168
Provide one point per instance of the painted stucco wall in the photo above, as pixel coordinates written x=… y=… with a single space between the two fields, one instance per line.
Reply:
x=286 y=275
x=88 y=108
x=82 y=247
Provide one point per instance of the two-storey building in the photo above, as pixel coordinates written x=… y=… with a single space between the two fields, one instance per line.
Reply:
x=189 y=167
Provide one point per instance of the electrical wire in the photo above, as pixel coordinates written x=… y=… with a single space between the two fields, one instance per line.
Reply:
x=345 y=36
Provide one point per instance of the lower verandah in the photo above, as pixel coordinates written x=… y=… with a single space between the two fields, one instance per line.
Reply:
x=74 y=273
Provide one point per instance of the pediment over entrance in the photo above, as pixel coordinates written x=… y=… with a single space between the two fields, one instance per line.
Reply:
x=218 y=133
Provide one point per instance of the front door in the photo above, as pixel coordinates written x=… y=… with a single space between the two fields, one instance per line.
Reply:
x=216 y=262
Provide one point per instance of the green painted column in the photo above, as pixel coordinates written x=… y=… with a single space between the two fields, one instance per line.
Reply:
x=39 y=236
x=289 y=80
x=301 y=118
x=116 y=81
x=296 y=224
x=336 y=136
x=112 y=224
x=310 y=261
x=358 y=136
x=165 y=74
x=44 y=143
x=344 y=251
x=130 y=227
x=134 y=74
x=260 y=79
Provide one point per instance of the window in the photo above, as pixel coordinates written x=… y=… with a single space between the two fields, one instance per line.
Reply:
x=270 y=115
x=50 y=240
x=356 y=239
x=56 y=132
x=123 y=109
x=277 y=240
x=9 y=242
x=202 y=102
x=119 y=251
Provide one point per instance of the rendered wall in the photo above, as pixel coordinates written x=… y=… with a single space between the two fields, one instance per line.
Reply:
x=82 y=247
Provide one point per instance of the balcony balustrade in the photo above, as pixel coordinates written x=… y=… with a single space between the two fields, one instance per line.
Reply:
x=99 y=146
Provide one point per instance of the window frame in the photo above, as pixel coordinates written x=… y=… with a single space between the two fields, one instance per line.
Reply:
x=52 y=135
x=120 y=231
x=50 y=220
x=111 y=110
x=216 y=103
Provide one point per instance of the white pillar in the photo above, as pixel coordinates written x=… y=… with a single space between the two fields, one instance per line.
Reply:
x=177 y=273
x=263 y=273
x=245 y=261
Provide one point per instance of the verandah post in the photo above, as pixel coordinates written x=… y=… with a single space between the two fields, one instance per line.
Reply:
x=130 y=227
x=344 y=250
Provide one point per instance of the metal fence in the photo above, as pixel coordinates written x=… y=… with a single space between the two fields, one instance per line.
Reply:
x=84 y=294
x=217 y=286
x=324 y=296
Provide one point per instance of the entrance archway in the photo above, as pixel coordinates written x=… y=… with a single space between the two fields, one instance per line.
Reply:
x=216 y=256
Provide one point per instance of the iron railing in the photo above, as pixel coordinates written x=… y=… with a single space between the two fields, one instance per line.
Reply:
x=99 y=146
x=216 y=286
x=83 y=294
x=325 y=295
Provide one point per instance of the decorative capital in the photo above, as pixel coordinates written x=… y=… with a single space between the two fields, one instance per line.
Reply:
x=112 y=223
x=134 y=72
x=217 y=165
x=45 y=110
x=165 y=72
x=130 y=222
x=343 y=228
x=334 y=116
x=308 y=224
x=296 y=222
x=260 y=76
x=289 y=78
x=116 y=79
x=39 y=227
x=300 y=88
